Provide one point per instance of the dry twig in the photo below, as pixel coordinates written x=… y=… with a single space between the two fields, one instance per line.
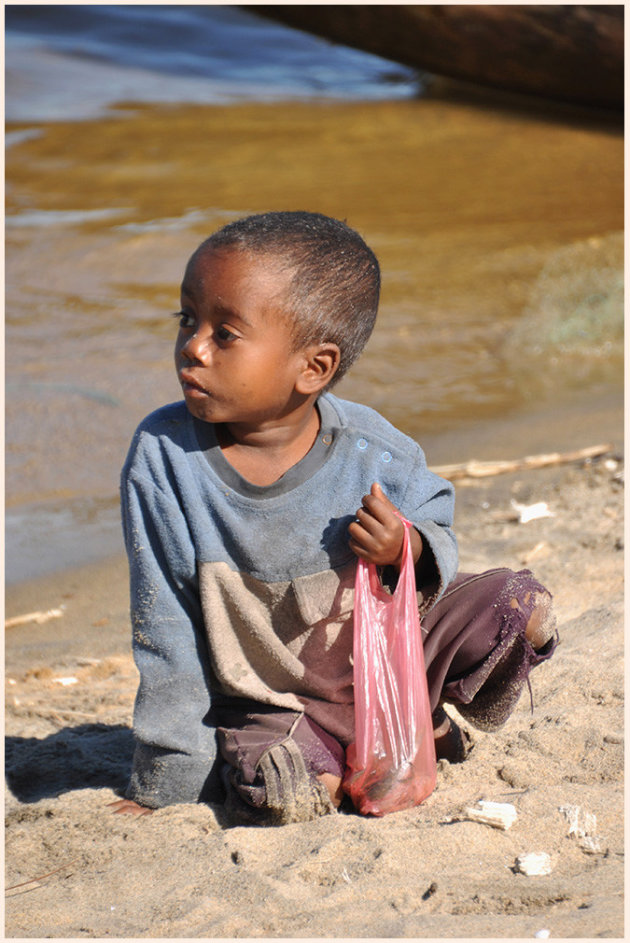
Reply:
x=41 y=876
x=475 y=469
x=40 y=617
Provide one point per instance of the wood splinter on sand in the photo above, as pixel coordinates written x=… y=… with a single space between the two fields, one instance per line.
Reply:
x=475 y=469
x=498 y=814
x=534 y=864
x=40 y=617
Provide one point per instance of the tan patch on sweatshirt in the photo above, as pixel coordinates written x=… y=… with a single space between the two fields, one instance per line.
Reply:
x=287 y=643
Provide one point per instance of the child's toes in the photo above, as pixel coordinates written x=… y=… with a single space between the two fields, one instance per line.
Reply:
x=541 y=625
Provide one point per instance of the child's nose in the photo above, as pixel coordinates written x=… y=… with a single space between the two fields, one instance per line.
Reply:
x=197 y=347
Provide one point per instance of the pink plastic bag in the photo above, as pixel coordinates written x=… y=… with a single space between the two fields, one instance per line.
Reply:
x=391 y=765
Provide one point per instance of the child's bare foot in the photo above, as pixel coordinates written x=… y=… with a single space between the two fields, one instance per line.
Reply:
x=541 y=625
x=451 y=742
x=333 y=785
x=129 y=807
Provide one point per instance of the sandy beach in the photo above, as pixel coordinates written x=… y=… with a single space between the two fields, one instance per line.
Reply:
x=499 y=227
x=73 y=869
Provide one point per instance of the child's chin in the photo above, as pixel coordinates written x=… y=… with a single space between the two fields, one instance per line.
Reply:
x=199 y=408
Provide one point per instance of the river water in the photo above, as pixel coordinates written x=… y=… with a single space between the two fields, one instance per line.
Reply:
x=134 y=132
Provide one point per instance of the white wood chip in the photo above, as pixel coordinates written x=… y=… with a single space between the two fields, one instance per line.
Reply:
x=497 y=814
x=533 y=864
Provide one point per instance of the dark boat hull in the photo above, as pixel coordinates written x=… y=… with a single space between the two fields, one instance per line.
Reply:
x=563 y=53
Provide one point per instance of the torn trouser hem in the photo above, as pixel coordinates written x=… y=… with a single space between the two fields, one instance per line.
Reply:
x=278 y=785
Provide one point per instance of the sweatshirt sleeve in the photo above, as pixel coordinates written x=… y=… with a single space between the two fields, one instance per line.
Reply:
x=429 y=504
x=175 y=737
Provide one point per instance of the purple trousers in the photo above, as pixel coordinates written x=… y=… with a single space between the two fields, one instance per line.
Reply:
x=476 y=657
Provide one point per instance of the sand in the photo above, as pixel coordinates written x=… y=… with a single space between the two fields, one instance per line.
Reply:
x=73 y=869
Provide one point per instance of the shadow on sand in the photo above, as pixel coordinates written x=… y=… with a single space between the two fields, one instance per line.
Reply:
x=85 y=757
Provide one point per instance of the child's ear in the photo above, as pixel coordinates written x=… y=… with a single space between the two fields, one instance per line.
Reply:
x=321 y=362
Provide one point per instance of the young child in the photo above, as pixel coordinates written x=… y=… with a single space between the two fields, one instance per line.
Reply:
x=245 y=508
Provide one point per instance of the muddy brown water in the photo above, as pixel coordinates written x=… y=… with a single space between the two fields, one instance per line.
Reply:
x=498 y=229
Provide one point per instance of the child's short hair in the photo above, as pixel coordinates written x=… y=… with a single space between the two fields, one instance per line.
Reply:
x=334 y=293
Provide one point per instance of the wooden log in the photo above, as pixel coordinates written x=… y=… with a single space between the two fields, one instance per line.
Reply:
x=475 y=469
x=562 y=52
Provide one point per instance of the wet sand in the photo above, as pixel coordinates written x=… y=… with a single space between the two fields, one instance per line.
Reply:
x=421 y=873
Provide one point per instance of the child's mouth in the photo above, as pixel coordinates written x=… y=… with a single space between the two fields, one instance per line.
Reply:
x=190 y=386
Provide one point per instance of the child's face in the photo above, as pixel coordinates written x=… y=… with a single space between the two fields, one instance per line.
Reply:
x=233 y=352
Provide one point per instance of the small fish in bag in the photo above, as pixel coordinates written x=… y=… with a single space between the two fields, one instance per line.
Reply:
x=391 y=765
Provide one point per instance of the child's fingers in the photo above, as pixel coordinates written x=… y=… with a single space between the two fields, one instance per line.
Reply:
x=377 y=492
x=381 y=508
x=360 y=539
x=379 y=502
x=369 y=530
x=377 y=533
x=360 y=542
x=369 y=521
x=373 y=542
x=358 y=549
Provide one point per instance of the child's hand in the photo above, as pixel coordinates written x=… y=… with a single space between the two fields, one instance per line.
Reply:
x=128 y=807
x=378 y=534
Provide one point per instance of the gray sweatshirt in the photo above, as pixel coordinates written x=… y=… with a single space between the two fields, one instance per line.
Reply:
x=247 y=591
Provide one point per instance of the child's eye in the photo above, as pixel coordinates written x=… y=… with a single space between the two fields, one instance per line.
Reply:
x=225 y=335
x=185 y=320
